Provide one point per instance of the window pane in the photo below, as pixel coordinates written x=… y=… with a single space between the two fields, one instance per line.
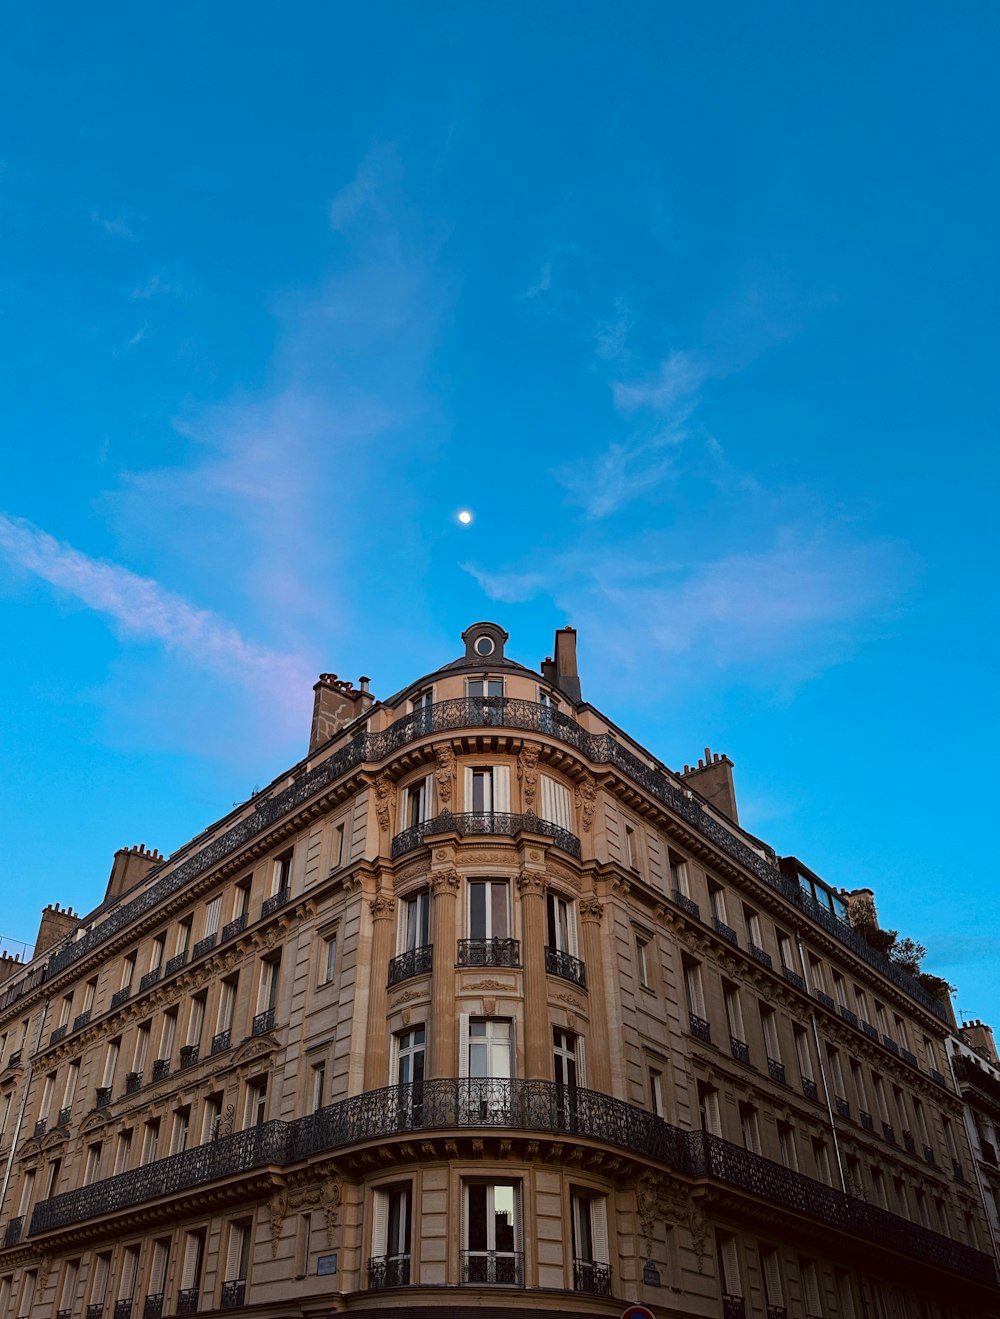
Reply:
x=499 y=911
x=503 y=1204
x=477 y=1217
x=477 y=911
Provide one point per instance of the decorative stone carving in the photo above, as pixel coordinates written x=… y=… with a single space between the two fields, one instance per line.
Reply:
x=531 y=882
x=591 y=910
x=382 y=907
x=527 y=774
x=660 y=1198
x=385 y=793
x=325 y=1195
x=622 y=887
x=445 y=881
x=408 y=996
x=586 y=801
x=490 y=984
x=444 y=775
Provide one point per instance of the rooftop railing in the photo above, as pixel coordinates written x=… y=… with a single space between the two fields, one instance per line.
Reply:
x=465 y=823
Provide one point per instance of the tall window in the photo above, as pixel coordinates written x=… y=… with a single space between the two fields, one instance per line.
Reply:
x=129 y=1273
x=256 y=1102
x=150 y=1140
x=755 y=933
x=123 y=1150
x=729 y=1265
x=99 y=1275
x=337 y=852
x=786 y=1145
x=565 y=1057
x=72 y=1079
x=734 y=1015
x=417 y=803
x=213 y=910
x=156 y=951
x=227 y=1005
x=489 y=1047
x=803 y=1053
x=693 y=989
x=267 y=991
x=487 y=788
x=329 y=956
x=410 y=1045
x=770 y=1268
x=631 y=845
x=489 y=909
x=67 y=1292
x=237 y=1263
x=181 y=1129
x=389 y=1265
x=749 y=1128
x=414 y=921
x=168 y=1032
x=679 y=875
x=211 y=1120
x=317 y=1086
x=492 y=1234
x=561 y=927
x=194 y=1253
x=111 y=1063
x=708 y=1109
x=642 y=960
x=141 y=1047
x=656 y=1091
x=769 y=1029
x=196 y=1020
x=128 y=971
x=281 y=873
x=810 y=1290
x=591 y=1257
x=158 y=1267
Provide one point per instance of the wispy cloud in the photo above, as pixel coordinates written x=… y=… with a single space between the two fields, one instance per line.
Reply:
x=542 y=285
x=510 y=587
x=115 y=226
x=144 y=610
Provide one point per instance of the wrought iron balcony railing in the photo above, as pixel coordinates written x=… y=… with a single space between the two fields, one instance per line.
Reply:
x=492 y=1268
x=161 y=1069
x=12 y=1234
x=64 y=1115
x=40 y=1126
x=123 y=1308
x=929 y=1156
x=890 y=1044
x=120 y=996
x=388 y=1271
x=205 y=945
x=776 y=1070
x=133 y=1081
x=888 y=1134
x=414 y=962
x=189 y=1055
x=448 y=716
x=80 y=1021
x=187 y=1300
x=909 y=1143
x=733 y=1307
x=58 y=1034
x=739 y=1049
x=150 y=978
x=176 y=962
x=908 y=1057
x=725 y=930
x=795 y=979
x=777 y=1312
x=687 y=904
x=700 y=1027
x=589 y=1275
x=759 y=955
x=153 y=1306
x=103 y=1096
x=95 y=1310
x=850 y=1017
x=842 y=1106
x=869 y=1030
x=263 y=1022
x=566 y=966
x=222 y=1041
x=866 y=1120
x=274 y=902
x=235 y=926
x=809 y=1088
x=489 y=952
x=467 y=823
x=233 y=1294
x=448 y=1104
x=825 y=999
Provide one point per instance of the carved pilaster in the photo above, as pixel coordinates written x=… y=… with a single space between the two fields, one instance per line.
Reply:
x=586 y=801
x=385 y=799
x=444 y=776
x=527 y=775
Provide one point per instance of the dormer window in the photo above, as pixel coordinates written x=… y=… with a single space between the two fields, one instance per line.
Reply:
x=484 y=646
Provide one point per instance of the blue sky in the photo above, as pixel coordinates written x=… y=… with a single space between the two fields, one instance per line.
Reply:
x=693 y=306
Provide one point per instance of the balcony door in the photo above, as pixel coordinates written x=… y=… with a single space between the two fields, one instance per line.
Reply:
x=491 y=1230
x=488 y=1058
x=410 y=1045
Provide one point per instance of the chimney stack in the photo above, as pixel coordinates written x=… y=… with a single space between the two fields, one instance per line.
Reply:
x=130 y=867
x=713 y=778
x=56 y=923
x=337 y=703
x=562 y=671
x=979 y=1036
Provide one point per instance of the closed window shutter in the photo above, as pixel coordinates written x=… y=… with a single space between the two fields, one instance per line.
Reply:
x=501 y=788
x=555 y=802
x=380 y=1218
x=772 y=1277
x=425 y=806
x=468 y=788
x=599 y=1228
x=192 y=1261
x=212 y=916
x=101 y=1269
x=692 y=980
x=463 y=1044
x=235 y=1251
x=810 y=1289
x=130 y=1265
x=713 y=1120
x=158 y=1273
x=731 y=1266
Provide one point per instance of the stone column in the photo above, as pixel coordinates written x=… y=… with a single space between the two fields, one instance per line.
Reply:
x=383 y=910
x=443 y=1060
x=537 y=1032
x=598 y=1045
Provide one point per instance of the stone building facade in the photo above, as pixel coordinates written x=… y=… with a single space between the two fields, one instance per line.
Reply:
x=479 y=1009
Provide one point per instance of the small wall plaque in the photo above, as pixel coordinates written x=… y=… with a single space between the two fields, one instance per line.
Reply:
x=326 y=1264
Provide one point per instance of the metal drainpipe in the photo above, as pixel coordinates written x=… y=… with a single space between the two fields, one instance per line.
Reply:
x=822 y=1072
x=24 y=1104
x=966 y=1120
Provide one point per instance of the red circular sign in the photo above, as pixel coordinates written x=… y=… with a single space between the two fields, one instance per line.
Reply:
x=637 y=1312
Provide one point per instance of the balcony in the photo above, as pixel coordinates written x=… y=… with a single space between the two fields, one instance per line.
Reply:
x=95 y=1310
x=133 y=1080
x=929 y=1156
x=777 y=1312
x=187 y=1300
x=388 y=1271
x=189 y=1055
x=727 y=931
x=152 y=1307
x=842 y=1106
x=58 y=1034
x=989 y=1152
x=15 y=1059
x=795 y=979
x=12 y=1235
x=888 y=1134
x=957 y=1172
x=866 y=1121
x=759 y=955
x=64 y=1314
x=62 y=1120
x=120 y=996
x=414 y=962
x=275 y=902
x=40 y=1126
x=489 y=952
x=938 y=1078
x=81 y=1021
x=221 y=1042
x=161 y=1070
x=686 y=904
x=233 y=1294
x=700 y=1027
x=492 y=1268
x=890 y=1044
x=150 y=978
x=870 y=1031
x=776 y=1070
x=176 y=962
x=566 y=966
x=909 y=1143
x=739 y=1049
x=103 y=1098
x=908 y=1057
x=809 y=1088
x=449 y=1104
x=123 y=1308
x=733 y=1307
x=472 y=823
x=235 y=926
x=263 y=1022
x=205 y=945
x=591 y=1276
x=850 y=1017
x=826 y=1000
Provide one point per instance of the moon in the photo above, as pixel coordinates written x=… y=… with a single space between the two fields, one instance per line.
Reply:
x=465 y=517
